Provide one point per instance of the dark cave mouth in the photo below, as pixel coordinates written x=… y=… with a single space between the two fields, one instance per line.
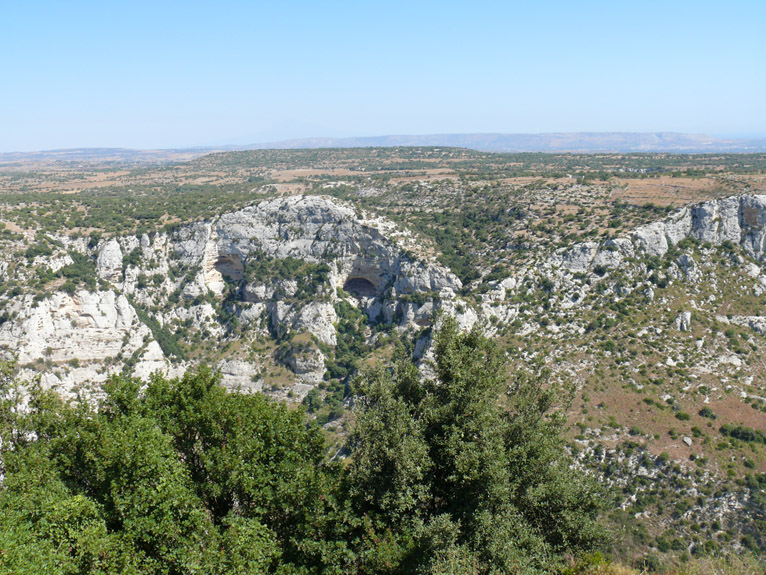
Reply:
x=230 y=266
x=360 y=287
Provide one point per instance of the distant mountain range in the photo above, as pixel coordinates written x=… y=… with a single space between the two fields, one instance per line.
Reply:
x=583 y=142
x=589 y=142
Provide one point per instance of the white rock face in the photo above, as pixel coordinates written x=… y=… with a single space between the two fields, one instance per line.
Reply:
x=752 y=270
x=738 y=219
x=314 y=229
x=87 y=326
x=318 y=318
x=717 y=221
x=190 y=242
x=622 y=245
x=652 y=239
x=153 y=360
x=578 y=258
x=365 y=257
x=82 y=335
x=238 y=375
x=257 y=292
x=252 y=316
x=109 y=261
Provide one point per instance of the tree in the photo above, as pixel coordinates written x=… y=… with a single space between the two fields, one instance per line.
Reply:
x=173 y=477
x=457 y=473
x=467 y=469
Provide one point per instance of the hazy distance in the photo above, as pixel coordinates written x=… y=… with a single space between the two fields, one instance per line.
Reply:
x=147 y=75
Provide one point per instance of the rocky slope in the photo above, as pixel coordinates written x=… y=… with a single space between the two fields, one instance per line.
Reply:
x=572 y=273
x=200 y=279
x=660 y=329
x=187 y=279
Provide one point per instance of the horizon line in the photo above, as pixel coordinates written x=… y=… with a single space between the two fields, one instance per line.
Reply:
x=727 y=138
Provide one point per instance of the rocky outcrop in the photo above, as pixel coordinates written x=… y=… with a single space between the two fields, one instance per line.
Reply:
x=589 y=256
x=656 y=238
x=283 y=288
x=173 y=276
x=307 y=362
x=740 y=220
x=366 y=257
x=83 y=337
x=684 y=321
x=314 y=229
x=109 y=261
x=239 y=375
x=153 y=360
x=195 y=281
x=317 y=318
x=754 y=322
x=87 y=326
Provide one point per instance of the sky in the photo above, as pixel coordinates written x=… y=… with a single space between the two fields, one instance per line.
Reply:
x=166 y=74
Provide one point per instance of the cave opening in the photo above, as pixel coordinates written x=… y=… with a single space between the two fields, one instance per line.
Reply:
x=360 y=287
x=230 y=266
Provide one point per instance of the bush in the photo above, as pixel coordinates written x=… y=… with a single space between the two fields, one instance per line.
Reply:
x=80 y=273
x=457 y=473
x=743 y=433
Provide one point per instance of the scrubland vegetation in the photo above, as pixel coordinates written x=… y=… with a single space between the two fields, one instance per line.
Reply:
x=483 y=469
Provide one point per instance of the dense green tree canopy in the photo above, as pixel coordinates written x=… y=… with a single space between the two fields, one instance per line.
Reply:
x=465 y=469
x=179 y=477
x=454 y=473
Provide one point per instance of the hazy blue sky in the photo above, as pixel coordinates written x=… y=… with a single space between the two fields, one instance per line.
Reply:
x=172 y=74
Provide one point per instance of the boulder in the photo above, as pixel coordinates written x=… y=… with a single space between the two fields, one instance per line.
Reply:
x=239 y=375
x=684 y=321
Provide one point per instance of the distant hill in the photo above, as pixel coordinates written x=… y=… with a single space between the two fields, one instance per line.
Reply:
x=84 y=157
x=583 y=142
x=558 y=142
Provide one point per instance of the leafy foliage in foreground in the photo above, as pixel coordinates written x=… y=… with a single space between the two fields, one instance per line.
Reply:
x=181 y=478
x=451 y=475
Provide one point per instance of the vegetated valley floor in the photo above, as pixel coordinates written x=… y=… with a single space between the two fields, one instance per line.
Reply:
x=672 y=415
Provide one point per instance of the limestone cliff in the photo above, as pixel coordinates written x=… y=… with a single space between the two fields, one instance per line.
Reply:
x=290 y=266
x=197 y=280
